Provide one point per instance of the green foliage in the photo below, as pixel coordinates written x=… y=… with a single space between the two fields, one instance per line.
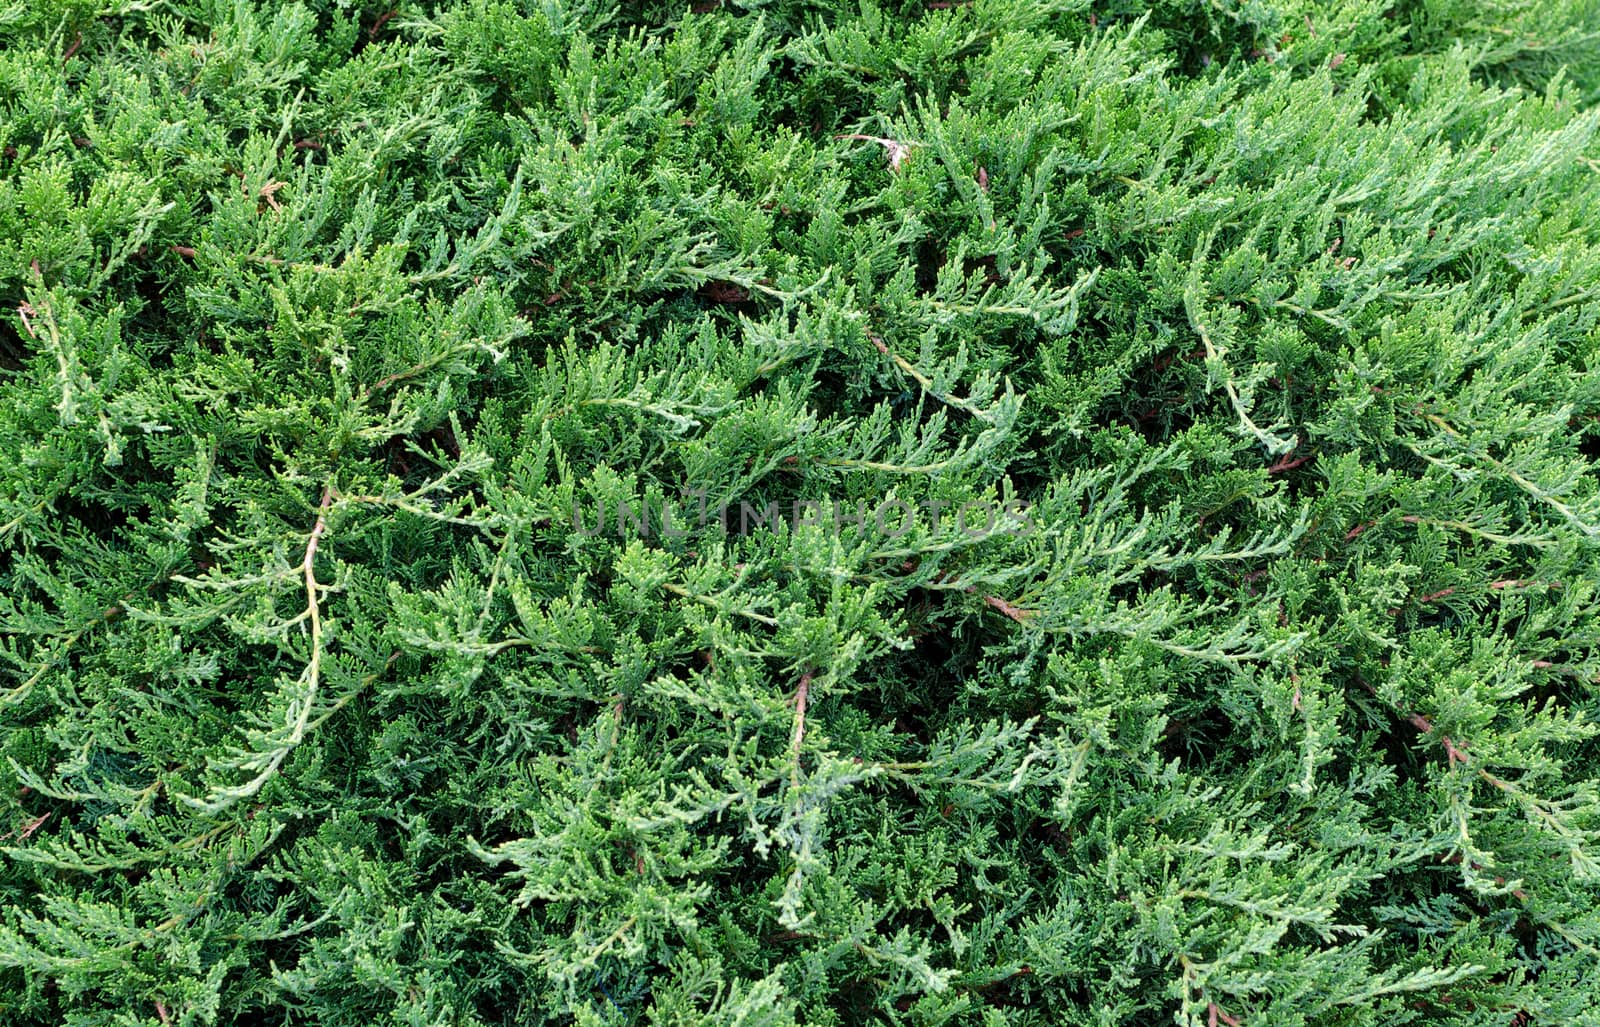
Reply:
x=1270 y=329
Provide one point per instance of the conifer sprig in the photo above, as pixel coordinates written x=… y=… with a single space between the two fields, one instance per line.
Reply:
x=1007 y=512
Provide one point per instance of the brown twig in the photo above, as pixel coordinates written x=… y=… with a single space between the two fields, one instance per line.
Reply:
x=1453 y=753
x=383 y=20
x=267 y=192
x=26 y=829
x=1214 y=1013
x=1358 y=529
x=801 y=694
x=1285 y=464
x=1016 y=613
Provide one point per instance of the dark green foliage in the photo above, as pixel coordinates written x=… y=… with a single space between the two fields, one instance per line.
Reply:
x=1275 y=706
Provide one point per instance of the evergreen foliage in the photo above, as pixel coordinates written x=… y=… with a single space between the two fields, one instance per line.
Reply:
x=1269 y=327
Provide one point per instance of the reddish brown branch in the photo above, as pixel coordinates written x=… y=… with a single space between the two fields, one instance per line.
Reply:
x=1285 y=464
x=383 y=20
x=1015 y=613
x=801 y=694
x=1358 y=529
x=1453 y=753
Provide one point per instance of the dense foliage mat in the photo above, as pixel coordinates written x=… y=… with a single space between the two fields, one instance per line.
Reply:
x=1100 y=520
